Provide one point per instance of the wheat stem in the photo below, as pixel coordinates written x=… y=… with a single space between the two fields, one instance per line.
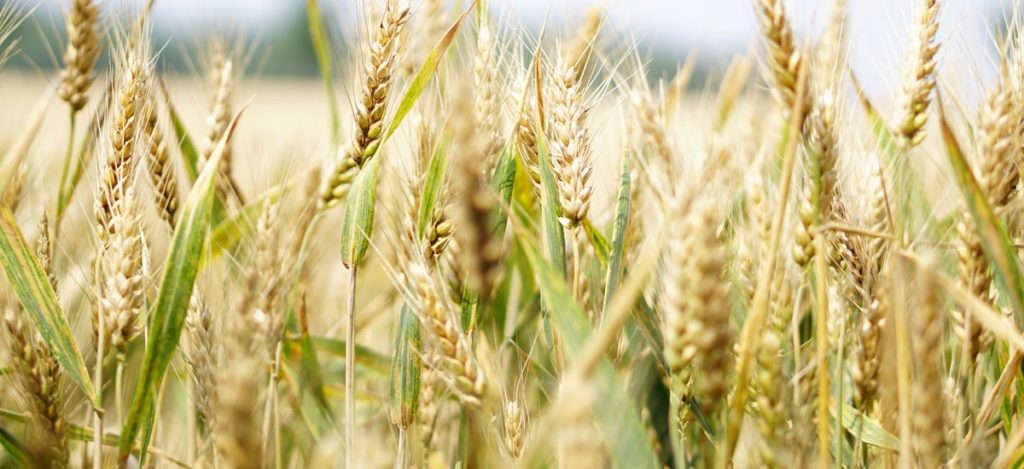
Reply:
x=350 y=372
x=750 y=335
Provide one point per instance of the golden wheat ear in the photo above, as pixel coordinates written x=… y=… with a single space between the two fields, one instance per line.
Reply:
x=919 y=76
x=83 y=48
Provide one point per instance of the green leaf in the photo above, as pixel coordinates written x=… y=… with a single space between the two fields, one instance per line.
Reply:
x=622 y=208
x=886 y=140
x=228 y=233
x=597 y=240
x=503 y=182
x=310 y=373
x=404 y=389
x=996 y=242
x=616 y=413
x=168 y=315
x=322 y=50
x=365 y=357
x=867 y=429
x=432 y=185
x=14 y=449
x=37 y=298
x=554 y=236
x=189 y=153
x=357 y=226
x=424 y=75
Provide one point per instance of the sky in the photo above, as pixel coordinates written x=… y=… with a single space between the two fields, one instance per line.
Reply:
x=878 y=28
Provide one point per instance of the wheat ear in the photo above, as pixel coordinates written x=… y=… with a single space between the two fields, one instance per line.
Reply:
x=158 y=162
x=570 y=147
x=929 y=427
x=919 y=76
x=455 y=355
x=785 y=59
x=378 y=74
x=83 y=48
x=37 y=377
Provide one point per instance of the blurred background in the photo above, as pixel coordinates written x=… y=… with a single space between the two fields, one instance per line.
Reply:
x=665 y=31
x=281 y=71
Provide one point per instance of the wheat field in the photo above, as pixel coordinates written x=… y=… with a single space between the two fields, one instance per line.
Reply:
x=474 y=244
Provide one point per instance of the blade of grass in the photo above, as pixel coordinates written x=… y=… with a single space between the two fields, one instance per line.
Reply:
x=432 y=185
x=404 y=387
x=189 y=154
x=14 y=449
x=37 y=298
x=622 y=209
x=168 y=315
x=994 y=239
x=424 y=75
x=554 y=236
x=503 y=184
x=866 y=429
x=322 y=51
x=365 y=357
x=357 y=225
x=228 y=233
x=616 y=414
x=602 y=249
x=310 y=373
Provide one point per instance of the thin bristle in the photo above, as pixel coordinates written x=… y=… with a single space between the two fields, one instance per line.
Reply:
x=579 y=50
x=118 y=167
